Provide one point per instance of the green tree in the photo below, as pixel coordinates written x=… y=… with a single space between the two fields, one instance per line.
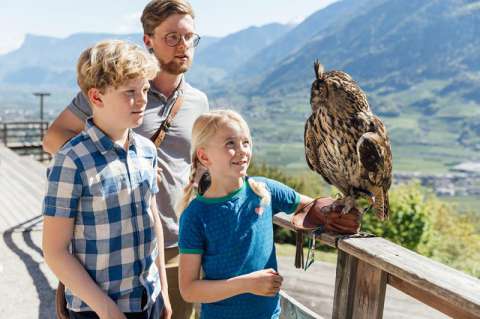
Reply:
x=408 y=223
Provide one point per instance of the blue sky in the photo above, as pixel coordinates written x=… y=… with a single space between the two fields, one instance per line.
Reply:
x=61 y=18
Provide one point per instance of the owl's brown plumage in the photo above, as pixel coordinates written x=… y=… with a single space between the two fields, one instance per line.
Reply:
x=346 y=143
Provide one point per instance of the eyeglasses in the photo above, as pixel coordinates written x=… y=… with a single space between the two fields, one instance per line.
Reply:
x=173 y=38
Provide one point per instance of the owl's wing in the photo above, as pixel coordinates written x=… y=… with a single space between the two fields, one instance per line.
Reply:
x=375 y=156
x=312 y=143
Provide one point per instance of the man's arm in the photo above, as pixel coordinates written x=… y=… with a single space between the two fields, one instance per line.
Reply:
x=65 y=126
x=57 y=234
x=167 y=312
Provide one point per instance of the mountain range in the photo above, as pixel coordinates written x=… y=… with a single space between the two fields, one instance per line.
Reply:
x=418 y=61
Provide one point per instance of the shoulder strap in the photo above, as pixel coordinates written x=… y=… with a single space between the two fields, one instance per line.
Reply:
x=159 y=135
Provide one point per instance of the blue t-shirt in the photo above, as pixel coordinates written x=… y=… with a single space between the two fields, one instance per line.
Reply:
x=236 y=239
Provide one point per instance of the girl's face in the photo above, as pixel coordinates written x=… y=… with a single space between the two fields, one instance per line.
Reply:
x=228 y=153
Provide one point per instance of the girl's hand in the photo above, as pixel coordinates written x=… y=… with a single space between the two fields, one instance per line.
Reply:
x=265 y=282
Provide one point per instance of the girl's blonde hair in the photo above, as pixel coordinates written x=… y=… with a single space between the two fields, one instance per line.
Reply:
x=204 y=128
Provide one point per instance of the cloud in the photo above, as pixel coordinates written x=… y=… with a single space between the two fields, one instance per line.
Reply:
x=10 y=42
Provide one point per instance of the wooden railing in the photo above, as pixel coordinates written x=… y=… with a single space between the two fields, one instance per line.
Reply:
x=25 y=138
x=366 y=265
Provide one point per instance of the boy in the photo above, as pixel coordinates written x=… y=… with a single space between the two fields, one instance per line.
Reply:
x=102 y=235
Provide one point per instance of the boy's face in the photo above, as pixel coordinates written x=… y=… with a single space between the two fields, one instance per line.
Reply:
x=177 y=59
x=123 y=107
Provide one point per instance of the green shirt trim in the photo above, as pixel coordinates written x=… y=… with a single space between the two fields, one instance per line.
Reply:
x=214 y=200
x=296 y=204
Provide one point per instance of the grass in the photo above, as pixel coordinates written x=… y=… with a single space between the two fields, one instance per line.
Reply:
x=289 y=250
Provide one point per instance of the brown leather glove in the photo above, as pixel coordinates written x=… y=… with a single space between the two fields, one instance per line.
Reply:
x=327 y=212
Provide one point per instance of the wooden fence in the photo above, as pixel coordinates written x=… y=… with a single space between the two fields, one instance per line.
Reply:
x=365 y=265
x=25 y=138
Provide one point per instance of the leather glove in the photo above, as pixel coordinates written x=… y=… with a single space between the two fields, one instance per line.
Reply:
x=328 y=212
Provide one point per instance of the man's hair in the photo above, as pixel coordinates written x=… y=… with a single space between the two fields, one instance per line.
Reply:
x=112 y=63
x=158 y=11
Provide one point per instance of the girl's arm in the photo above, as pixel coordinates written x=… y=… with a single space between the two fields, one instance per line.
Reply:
x=264 y=282
x=167 y=312
x=57 y=234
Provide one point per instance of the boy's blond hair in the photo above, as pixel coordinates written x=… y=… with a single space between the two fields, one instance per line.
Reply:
x=157 y=11
x=112 y=63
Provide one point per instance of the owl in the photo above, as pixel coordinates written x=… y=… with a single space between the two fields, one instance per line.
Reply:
x=346 y=143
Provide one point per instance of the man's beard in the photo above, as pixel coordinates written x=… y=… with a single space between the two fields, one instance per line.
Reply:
x=173 y=67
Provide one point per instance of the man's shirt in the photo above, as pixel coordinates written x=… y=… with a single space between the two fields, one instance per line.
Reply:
x=108 y=190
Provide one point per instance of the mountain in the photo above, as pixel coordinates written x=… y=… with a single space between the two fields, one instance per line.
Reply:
x=392 y=45
x=45 y=60
x=215 y=61
x=417 y=60
x=292 y=41
x=49 y=61
x=235 y=49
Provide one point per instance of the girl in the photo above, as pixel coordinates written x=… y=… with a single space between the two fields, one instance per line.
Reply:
x=228 y=229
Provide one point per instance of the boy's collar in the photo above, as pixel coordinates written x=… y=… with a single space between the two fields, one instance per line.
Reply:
x=101 y=140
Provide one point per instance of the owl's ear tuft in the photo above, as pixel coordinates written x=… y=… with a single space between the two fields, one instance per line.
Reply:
x=318 y=69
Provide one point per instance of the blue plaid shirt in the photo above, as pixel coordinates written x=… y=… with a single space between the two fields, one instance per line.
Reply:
x=107 y=190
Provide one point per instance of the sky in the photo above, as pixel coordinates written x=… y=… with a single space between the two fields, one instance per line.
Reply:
x=61 y=18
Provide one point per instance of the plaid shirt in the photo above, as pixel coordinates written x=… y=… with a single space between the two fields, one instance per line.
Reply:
x=108 y=190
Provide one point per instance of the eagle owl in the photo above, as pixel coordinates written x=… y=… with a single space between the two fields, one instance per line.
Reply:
x=346 y=143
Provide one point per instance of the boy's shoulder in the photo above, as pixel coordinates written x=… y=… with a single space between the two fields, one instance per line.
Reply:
x=75 y=146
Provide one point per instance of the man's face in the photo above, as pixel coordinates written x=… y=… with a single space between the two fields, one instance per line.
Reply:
x=177 y=59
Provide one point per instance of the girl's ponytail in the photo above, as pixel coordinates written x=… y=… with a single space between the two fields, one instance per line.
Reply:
x=190 y=190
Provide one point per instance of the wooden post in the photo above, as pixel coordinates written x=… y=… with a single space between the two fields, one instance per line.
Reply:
x=371 y=283
x=345 y=280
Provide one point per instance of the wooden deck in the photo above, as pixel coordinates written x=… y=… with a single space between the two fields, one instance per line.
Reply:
x=22 y=187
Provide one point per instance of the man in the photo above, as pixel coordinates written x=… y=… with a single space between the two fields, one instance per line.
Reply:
x=169 y=34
